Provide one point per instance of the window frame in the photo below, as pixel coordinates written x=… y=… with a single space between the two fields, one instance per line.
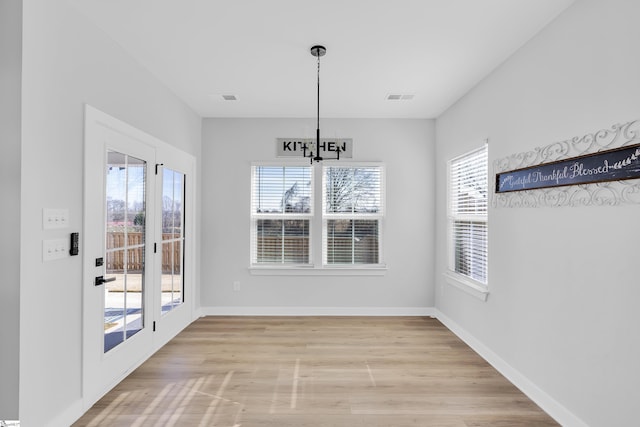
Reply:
x=377 y=216
x=316 y=267
x=255 y=216
x=455 y=278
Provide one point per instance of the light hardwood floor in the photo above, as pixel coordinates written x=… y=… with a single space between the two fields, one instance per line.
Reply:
x=315 y=371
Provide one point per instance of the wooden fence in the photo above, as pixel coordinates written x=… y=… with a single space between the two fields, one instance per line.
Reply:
x=116 y=260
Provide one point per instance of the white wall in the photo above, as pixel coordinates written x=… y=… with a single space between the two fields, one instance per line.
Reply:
x=67 y=62
x=10 y=70
x=228 y=148
x=564 y=284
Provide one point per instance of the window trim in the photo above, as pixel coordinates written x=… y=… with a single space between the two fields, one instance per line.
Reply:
x=316 y=266
x=460 y=281
x=356 y=270
x=467 y=285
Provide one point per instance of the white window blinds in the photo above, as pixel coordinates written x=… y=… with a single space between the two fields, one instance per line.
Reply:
x=281 y=211
x=353 y=208
x=468 y=225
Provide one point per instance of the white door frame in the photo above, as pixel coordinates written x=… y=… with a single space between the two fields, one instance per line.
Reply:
x=101 y=371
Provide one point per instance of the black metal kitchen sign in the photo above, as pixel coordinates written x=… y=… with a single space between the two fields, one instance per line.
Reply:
x=611 y=165
x=328 y=148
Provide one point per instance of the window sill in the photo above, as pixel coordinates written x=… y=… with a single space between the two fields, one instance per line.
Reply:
x=378 y=270
x=467 y=285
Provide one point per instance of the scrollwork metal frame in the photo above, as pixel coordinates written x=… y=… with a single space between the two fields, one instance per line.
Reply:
x=598 y=194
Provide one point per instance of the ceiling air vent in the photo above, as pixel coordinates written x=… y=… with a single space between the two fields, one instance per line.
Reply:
x=230 y=97
x=399 y=97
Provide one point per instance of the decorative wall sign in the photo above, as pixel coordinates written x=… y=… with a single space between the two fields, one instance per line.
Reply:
x=611 y=165
x=600 y=170
x=295 y=147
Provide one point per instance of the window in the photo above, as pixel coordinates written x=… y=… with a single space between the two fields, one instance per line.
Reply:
x=353 y=210
x=346 y=217
x=468 y=225
x=281 y=213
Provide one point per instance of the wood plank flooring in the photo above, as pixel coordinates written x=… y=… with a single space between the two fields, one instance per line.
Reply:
x=315 y=371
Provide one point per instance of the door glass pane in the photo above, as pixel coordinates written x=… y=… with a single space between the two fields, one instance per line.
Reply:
x=114 y=300
x=135 y=193
x=178 y=278
x=125 y=248
x=116 y=185
x=178 y=184
x=133 y=315
x=172 y=239
x=167 y=277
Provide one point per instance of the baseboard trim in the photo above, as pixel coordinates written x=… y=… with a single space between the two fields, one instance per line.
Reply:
x=548 y=404
x=316 y=311
x=68 y=416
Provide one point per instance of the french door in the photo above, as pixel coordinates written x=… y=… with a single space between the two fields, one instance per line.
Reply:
x=173 y=303
x=137 y=251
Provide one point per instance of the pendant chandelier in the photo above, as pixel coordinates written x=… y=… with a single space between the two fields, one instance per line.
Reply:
x=318 y=51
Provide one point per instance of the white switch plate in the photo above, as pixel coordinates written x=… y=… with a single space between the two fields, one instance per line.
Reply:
x=55 y=249
x=55 y=218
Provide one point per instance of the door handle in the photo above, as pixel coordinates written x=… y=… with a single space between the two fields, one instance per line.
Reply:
x=100 y=280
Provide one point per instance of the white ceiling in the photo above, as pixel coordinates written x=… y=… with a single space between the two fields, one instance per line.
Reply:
x=258 y=50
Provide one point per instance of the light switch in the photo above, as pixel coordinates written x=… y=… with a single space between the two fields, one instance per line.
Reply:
x=55 y=218
x=55 y=249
